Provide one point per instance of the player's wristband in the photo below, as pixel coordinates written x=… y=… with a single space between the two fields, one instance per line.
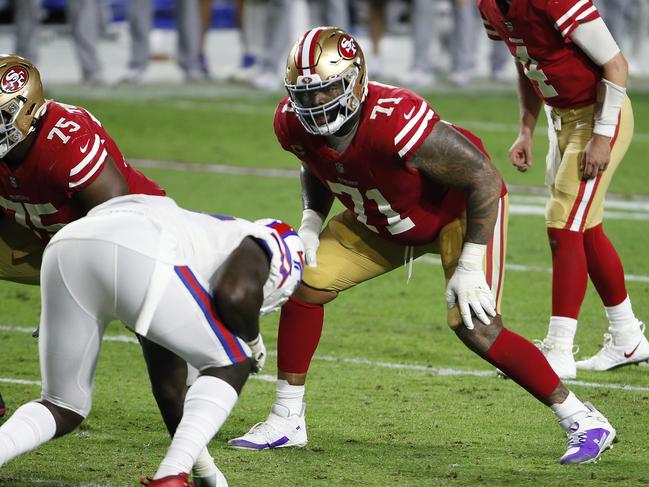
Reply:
x=606 y=118
x=472 y=255
x=311 y=221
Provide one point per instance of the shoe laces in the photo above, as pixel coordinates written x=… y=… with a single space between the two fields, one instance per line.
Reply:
x=577 y=438
x=265 y=428
x=608 y=341
x=547 y=345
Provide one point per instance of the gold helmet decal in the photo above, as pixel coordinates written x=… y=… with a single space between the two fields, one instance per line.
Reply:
x=326 y=79
x=21 y=98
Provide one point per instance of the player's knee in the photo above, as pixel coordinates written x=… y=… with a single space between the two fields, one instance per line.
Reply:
x=66 y=420
x=311 y=295
x=235 y=374
x=482 y=336
x=556 y=213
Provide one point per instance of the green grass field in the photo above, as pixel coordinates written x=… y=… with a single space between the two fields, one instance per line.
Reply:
x=440 y=417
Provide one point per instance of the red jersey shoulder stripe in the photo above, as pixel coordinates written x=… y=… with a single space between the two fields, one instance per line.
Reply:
x=491 y=32
x=89 y=158
x=414 y=130
x=582 y=10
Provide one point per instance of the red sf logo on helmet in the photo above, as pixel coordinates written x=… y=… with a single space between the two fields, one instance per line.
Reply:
x=14 y=79
x=347 y=47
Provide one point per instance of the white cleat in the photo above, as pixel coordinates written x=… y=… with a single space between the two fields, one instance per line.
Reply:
x=560 y=357
x=612 y=355
x=278 y=431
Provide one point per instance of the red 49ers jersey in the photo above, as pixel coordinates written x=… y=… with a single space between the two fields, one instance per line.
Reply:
x=537 y=32
x=67 y=156
x=372 y=177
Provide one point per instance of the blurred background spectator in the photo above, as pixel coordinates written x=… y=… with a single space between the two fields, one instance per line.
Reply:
x=417 y=43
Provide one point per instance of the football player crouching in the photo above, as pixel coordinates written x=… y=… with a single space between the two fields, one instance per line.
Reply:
x=411 y=184
x=190 y=282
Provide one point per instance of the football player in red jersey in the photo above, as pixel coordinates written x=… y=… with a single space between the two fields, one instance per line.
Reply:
x=570 y=61
x=56 y=163
x=411 y=184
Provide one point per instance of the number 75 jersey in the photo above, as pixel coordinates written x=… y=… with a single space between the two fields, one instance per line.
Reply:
x=68 y=154
x=372 y=177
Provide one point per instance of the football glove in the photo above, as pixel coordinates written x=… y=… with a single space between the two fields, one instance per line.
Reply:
x=468 y=287
x=258 y=350
x=309 y=232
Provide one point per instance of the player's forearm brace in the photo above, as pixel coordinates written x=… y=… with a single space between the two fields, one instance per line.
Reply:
x=606 y=117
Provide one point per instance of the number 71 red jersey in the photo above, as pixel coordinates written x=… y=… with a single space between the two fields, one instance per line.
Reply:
x=372 y=177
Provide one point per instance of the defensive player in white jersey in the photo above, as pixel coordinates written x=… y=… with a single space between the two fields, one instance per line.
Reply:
x=191 y=282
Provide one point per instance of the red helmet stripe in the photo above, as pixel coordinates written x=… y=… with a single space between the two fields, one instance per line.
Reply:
x=306 y=52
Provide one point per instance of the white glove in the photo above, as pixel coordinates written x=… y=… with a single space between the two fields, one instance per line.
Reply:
x=309 y=232
x=468 y=287
x=258 y=350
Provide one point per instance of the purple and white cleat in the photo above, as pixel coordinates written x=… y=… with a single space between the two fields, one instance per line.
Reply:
x=588 y=438
x=280 y=430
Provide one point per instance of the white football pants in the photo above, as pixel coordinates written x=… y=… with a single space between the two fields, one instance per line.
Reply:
x=85 y=284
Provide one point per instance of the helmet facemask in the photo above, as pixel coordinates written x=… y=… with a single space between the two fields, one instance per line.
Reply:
x=10 y=134
x=21 y=101
x=329 y=117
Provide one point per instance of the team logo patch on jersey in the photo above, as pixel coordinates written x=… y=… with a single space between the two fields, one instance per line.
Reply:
x=347 y=47
x=14 y=79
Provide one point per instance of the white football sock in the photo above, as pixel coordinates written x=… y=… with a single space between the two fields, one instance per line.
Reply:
x=30 y=426
x=207 y=405
x=291 y=397
x=562 y=330
x=569 y=411
x=623 y=323
x=204 y=465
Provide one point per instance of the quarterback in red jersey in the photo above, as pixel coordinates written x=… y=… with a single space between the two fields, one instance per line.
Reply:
x=570 y=61
x=57 y=162
x=411 y=184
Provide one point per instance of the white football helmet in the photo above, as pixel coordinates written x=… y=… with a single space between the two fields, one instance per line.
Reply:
x=21 y=98
x=329 y=61
x=286 y=266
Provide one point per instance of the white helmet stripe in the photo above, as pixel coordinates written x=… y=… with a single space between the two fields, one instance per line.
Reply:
x=306 y=54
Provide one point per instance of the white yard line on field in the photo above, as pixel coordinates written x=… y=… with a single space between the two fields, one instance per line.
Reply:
x=437 y=371
x=255 y=109
x=613 y=200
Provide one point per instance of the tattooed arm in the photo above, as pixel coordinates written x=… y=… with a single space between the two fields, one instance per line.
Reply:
x=450 y=159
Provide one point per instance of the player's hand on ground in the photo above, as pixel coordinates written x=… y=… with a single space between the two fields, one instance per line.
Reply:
x=468 y=289
x=258 y=350
x=596 y=157
x=520 y=153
